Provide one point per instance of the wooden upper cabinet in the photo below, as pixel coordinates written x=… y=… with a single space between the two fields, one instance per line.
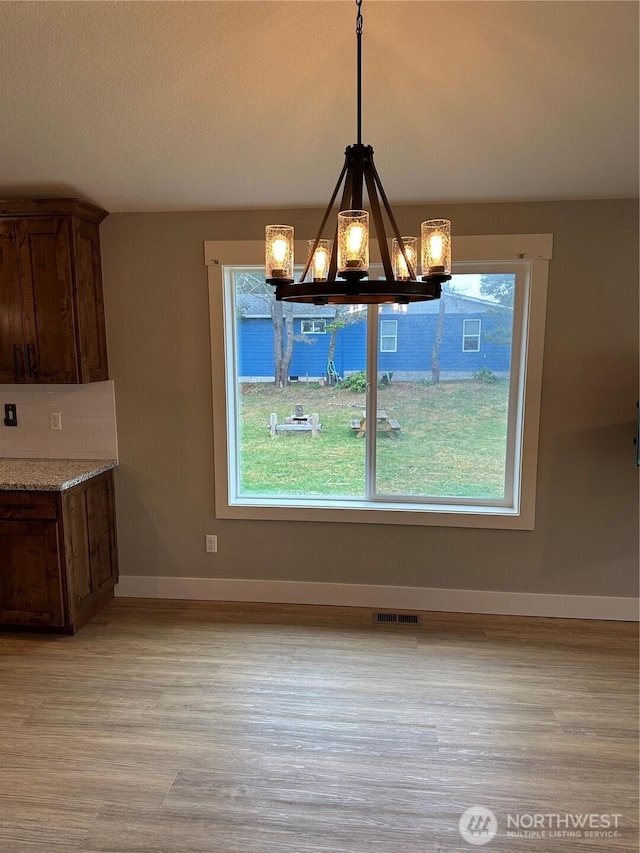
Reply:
x=11 y=338
x=92 y=341
x=51 y=305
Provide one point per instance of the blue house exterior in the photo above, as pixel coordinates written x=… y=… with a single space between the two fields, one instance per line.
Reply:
x=472 y=332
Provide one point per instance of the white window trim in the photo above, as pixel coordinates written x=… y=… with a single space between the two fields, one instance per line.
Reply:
x=536 y=249
x=394 y=335
x=466 y=335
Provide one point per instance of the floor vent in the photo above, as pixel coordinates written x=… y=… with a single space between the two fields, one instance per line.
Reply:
x=396 y=619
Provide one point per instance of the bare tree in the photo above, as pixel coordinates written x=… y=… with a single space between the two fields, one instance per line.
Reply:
x=282 y=317
x=437 y=341
x=281 y=313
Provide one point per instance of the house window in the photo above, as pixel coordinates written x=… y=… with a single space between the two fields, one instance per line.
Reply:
x=471 y=335
x=453 y=445
x=388 y=335
x=313 y=327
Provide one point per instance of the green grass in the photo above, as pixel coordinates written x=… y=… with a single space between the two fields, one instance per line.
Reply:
x=451 y=443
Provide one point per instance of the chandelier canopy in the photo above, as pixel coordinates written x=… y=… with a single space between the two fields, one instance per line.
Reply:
x=338 y=269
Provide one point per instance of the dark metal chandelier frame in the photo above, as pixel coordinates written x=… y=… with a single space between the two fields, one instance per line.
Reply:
x=357 y=172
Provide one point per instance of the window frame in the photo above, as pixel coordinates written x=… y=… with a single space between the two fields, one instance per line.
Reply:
x=534 y=250
x=466 y=335
x=313 y=320
x=394 y=336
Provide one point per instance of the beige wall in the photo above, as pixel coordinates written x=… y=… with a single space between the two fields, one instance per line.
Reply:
x=586 y=536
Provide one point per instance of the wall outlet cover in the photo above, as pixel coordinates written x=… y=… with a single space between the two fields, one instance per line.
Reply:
x=10 y=414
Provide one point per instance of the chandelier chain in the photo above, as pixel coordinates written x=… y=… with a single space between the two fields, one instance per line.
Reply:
x=359 y=22
x=348 y=259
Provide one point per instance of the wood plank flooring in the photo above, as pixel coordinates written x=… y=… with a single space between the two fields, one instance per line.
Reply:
x=195 y=727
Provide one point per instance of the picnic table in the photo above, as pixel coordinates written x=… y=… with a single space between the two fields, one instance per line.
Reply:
x=383 y=421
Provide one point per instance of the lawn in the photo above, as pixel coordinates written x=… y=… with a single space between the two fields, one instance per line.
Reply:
x=451 y=442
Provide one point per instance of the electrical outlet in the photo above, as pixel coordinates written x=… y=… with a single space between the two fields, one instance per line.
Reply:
x=211 y=544
x=55 y=420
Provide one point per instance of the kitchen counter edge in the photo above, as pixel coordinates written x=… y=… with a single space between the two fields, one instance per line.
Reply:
x=49 y=475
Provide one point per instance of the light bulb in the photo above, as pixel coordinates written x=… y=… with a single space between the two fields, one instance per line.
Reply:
x=279 y=249
x=279 y=253
x=320 y=262
x=353 y=242
x=354 y=239
x=436 y=244
x=403 y=269
x=436 y=247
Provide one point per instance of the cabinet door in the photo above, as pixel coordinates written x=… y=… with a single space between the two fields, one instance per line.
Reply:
x=92 y=342
x=90 y=541
x=30 y=592
x=12 y=364
x=77 y=551
x=102 y=532
x=44 y=257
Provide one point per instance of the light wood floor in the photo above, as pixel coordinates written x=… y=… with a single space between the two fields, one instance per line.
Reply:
x=175 y=727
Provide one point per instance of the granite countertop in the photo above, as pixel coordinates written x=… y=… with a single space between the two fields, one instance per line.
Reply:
x=49 y=475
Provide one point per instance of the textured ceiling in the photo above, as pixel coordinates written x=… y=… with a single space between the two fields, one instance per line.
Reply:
x=144 y=106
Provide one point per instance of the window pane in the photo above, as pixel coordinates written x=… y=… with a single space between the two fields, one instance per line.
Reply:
x=280 y=372
x=443 y=379
x=446 y=407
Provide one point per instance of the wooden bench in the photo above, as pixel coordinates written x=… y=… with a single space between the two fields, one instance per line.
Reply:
x=300 y=427
x=393 y=423
x=355 y=424
x=295 y=423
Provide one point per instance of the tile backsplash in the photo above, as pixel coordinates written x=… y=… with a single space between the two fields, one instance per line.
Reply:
x=88 y=415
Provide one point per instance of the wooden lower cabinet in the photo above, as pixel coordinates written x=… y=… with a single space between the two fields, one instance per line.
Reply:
x=58 y=555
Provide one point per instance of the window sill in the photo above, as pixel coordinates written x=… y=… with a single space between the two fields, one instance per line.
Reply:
x=379 y=512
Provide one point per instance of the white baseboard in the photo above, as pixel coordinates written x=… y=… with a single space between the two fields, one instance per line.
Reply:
x=387 y=597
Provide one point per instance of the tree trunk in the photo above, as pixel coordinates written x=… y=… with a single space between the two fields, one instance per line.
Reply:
x=339 y=322
x=435 y=352
x=283 y=340
x=277 y=315
x=332 y=345
x=287 y=353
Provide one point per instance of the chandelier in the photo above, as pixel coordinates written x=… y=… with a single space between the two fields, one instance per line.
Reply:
x=338 y=269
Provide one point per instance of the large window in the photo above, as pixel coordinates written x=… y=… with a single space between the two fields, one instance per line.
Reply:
x=389 y=418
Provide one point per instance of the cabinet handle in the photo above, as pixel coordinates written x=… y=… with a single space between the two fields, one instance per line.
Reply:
x=31 y=369
x=16 y=360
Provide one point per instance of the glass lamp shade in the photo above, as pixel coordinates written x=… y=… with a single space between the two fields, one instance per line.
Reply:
x=400 y=269
x=321 y=259
x=436 y=247
x=279 y=251
x=353 y=241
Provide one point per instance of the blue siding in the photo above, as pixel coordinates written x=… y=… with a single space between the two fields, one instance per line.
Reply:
x=415 y=338
x=255 y=347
